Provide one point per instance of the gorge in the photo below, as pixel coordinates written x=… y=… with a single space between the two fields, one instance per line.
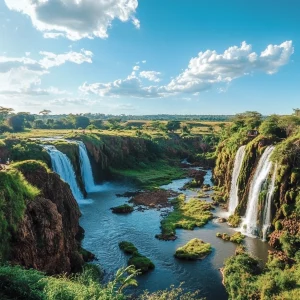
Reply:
x=255 y=179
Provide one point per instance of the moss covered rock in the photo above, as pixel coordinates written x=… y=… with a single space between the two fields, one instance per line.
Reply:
x=122 y=209
x=140 y=262
x=193 y=250
x=128 y=247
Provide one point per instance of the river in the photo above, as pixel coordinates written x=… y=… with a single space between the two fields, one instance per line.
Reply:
x=104 y=230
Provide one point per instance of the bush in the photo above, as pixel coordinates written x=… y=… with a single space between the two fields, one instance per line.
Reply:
x=193 y=250
x=278 y=225
x=234 y=221
x=128 y=247
x=141 y=263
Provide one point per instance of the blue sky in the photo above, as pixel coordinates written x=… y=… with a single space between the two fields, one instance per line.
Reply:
x=150 y=56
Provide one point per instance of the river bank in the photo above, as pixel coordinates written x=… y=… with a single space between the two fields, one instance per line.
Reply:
x=105 y=230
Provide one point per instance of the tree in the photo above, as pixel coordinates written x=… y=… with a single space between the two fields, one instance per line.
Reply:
x=17 y=122
x=297 y=112
x=81 y=121
x=45 y=112
x=249 y=119
x=4 y=112
x=97 y=123
x=173 y=125
x=39 y=124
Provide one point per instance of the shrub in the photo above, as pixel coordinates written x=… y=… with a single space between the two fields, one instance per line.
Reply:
x=193 y=250
x=141 y=263
x=128 y=247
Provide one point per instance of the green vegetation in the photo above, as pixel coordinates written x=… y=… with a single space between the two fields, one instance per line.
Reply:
x=245 y=280
x=193 y=250
x=128 y=247
x=170 y=294
x=14 y=192
x=237 y=237
x=141 y=263
x=234 y=221
x=186 y=215
x=122 y=209
x=33 y=285
x=150 y=176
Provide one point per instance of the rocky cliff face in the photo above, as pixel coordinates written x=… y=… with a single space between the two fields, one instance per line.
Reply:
x=286 y=199
x=46 y=236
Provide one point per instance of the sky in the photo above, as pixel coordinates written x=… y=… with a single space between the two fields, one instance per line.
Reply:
x=138 y=57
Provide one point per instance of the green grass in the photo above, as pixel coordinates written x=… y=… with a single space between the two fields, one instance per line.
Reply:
x=14 y=192
x=193 y=250
x=141 y=263
x=152 y=175
x=186 y=215
x=234 y=221
x=128 y=247
x=237 y=237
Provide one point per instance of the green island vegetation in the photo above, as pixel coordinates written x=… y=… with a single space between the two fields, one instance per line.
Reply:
x=128 y=247
x=146 y=150
x=122 y=209
x=186 y=215
x=193 y=250
x=237 y=237
x=141 y=263
x=234 y=221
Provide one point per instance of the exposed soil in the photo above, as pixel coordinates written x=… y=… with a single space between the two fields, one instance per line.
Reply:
x=154 y=199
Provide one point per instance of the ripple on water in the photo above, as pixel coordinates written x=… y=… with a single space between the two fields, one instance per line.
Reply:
x=104 y=230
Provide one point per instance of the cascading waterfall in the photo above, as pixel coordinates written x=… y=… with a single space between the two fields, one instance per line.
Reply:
x=267 y=210
x=233 y=200
x=63 y=167
x=249 y=225
x=86 y=170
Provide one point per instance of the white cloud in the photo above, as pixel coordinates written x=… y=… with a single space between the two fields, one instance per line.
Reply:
x=205 y=71
x=150 y=75
x=22 y=75
x=53 y=60
x=76 y=19
x=52 y=35
x=136 y=68
x=131 y=86
x=210 y=68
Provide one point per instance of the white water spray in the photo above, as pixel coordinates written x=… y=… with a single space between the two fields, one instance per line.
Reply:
x=234 y=200
x=267 y=210
x=63 y=167
x=261 y=173
x=86 y=170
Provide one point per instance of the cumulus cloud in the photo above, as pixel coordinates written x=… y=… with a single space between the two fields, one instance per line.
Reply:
x=210 y=68
x=53 y=60
x=150 y=75
x=131 y=86
x=22 y=75
x=76 y=19
x=206 y=70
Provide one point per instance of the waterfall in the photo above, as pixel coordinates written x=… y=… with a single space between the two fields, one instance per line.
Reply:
x=63 y=167
x=267 y=209
x=261 y=173
x=86 y=169
x=233 y=199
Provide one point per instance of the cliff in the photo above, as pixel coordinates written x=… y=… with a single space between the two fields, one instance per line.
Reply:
x=48 y=221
